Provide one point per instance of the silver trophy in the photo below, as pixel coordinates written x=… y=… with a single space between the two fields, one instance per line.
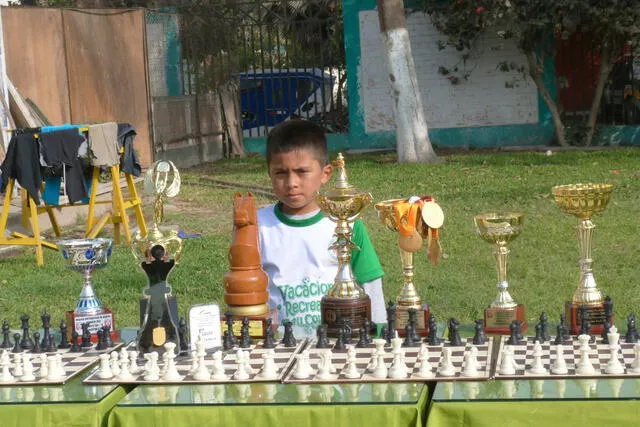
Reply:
x=86 y=255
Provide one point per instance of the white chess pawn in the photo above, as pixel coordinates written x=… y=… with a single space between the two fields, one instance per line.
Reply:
x=268 y=371
x=133 y=362
x=105 y=370
x=5 y=376
x=43 y=372
x=52 y=367
x=446 y=368
x=218 y=373
x=151 y=369
x=537 y=368
x=202 y=373
x=124 y=374
x=559 y=366
x=351 y=370
x=507 y=364
x=424 y=369
x=584 y=366
x=17 y=362
x=241 y=373
x=27 y=368
x=635 y=365
x=194 y=363
x=115 y=365
x=303 y=369
x=470 y=363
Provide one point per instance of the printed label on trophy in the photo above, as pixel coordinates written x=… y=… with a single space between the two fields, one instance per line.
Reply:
x=95 y=321
x=204 y=321
x=256 y=327
x=502 y=318
x=159 y=335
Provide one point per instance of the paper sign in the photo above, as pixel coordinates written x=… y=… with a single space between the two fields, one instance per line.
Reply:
x=204 y=321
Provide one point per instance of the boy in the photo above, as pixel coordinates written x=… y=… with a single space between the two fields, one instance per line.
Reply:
x=295 y=235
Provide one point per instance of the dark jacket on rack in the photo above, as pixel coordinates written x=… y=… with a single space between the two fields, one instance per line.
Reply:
x=60 y=152
x=22 y=162
x=129 y=162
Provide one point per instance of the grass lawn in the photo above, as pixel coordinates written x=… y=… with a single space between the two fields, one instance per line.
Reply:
x=543 y=264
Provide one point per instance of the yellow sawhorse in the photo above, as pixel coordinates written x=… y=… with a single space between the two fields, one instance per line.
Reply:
x=117 y=215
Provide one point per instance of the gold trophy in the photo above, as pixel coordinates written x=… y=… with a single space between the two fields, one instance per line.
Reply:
x=500 y=229
x=158 y=253
x=346 y=300
x=415 y=220
x=583 y=201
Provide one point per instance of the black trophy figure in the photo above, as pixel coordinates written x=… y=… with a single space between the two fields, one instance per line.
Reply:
x=159 y=323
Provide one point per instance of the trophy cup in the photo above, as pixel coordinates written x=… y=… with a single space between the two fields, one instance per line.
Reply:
x=415 y=220
x=583 y=201
x=245 y=286
x=86 y=255
x=157 y=253
x=346 y=300
x=500 y=229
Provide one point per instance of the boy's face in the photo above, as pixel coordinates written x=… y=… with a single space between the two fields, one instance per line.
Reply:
x=296 y=177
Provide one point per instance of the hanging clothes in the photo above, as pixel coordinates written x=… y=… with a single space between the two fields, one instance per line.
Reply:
x=129 y=162
x=103 y=142
x=22 y=162
x=59 y=151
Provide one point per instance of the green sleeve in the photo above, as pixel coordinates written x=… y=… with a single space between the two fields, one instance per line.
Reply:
x=365 y=263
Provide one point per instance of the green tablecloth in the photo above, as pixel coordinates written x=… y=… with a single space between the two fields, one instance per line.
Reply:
x=566 y=403
x=284 y=406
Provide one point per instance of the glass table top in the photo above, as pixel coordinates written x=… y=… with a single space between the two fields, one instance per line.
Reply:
x=274 y=394
x=552 y=389
x=74 y=391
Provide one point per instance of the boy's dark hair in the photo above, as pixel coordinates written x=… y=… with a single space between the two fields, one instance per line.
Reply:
x=297 y=134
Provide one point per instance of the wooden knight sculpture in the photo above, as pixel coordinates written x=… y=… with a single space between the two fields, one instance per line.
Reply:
x=245 y=285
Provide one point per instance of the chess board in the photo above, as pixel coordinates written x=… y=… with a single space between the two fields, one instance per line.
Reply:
x=599 y=357
x=72 y=364
x=284 y=357
x=364 y=357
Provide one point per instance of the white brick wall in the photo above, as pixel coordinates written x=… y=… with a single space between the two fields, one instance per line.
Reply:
x=482 y=100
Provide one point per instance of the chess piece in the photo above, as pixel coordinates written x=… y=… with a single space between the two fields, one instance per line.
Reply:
x=607 y=304
x=631 y=336
x=43 y=372
x=16 y=343
x=75 y=346
x=351 y=370
x=183 y=335
x=584 y=366
x=151 y=369
x=114 y=363
x=228 y=341
x=125 y=374
x=64 y=343
x=446 y=368
x=408 y=335
x=391 y=321
x=321 y=337
x=479 y=337
x=635 y=365
x=559 y=366
x=201 y=373
x=229 y=321
x=86 y=336
x=345 y=325
x=46 y=325
x=26 y=343
x=36 y=346
x=245 y=338
x=613 y=365
x=269 y=340
x=433 y=339
x=507 y=363
x=367 y=327
x=218 y=367
x=454 y=334
x=538 y=338
x=27 y=369
x=171 y=373
x=605 y=332
x=324 y=366
x=100 y=334
x=105 y=370
x=340 y=344
x=288 y=340
x=470 y=363
x=424 y=368
x=17 y=363
x=133 y=362
x=106 y=334
x=362 y=341
x=268 y=371
x=5 y=363
x=544 y=323
x=413 y=313
x=514 y=332
x=537 y=367
x=6 y=331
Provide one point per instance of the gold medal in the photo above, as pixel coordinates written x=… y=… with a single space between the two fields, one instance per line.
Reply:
x=432 y=214
x=159 y=336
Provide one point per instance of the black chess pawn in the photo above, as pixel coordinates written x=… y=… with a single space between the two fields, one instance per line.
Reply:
x=408 y=336
x=412 y=312
x=391 y=321
x=288 y=339
x=605 y=331
x=245 y=339
x=608 y=309
x=362 y=339
x=183 y=333
x=64 y=343
x=101 y=345
x=432 y=338
x=368 y=329
x=384 y=334
x=538 y=334
x=565 y=330
x=229 y=321
x=631 y=337
x=269 y=340
x=544 y=323
x=46 y=326
x=51 y=345
x=86 y=336
x=479 y=336
x=26 y=343
x=6 y=331
x=16 y=344
x=519 y=329
x=560 y=332
x=454 y=332
x=340 y=344
x=106 y=336
x=321 y=337
x=514 y=328
x=75 y=346
x=36 y=343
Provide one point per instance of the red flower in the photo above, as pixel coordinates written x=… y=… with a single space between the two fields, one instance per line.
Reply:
x=480 y=9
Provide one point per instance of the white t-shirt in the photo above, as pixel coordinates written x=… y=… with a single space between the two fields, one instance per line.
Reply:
x=301 y=268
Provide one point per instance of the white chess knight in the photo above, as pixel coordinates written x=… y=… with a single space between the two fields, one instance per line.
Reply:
x=105 y=372
x=446 y=368
x=635 y=365
x=613 y=365
x=350 y=369
x=559 y=366
x=470 y=363
x=584 y=366
x=325 y=366
x=269 y=370
x=537 y=367
x=507 y=363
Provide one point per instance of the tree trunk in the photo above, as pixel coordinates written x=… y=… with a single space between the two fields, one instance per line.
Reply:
x=603 y=73
x=534 y=72
x=412 y=136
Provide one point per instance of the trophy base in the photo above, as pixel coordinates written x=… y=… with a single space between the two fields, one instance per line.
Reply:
x=333 y=310
x=422 y=320
x=257 y=323
x=574 y=320
x=95 y=321
x=497 y=320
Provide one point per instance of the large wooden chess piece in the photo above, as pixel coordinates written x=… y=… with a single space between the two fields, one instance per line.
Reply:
x=500 y=229
x=583 y=201
x=246 y=283
x=346 y=300
x=416 y=220
x=158 y=253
